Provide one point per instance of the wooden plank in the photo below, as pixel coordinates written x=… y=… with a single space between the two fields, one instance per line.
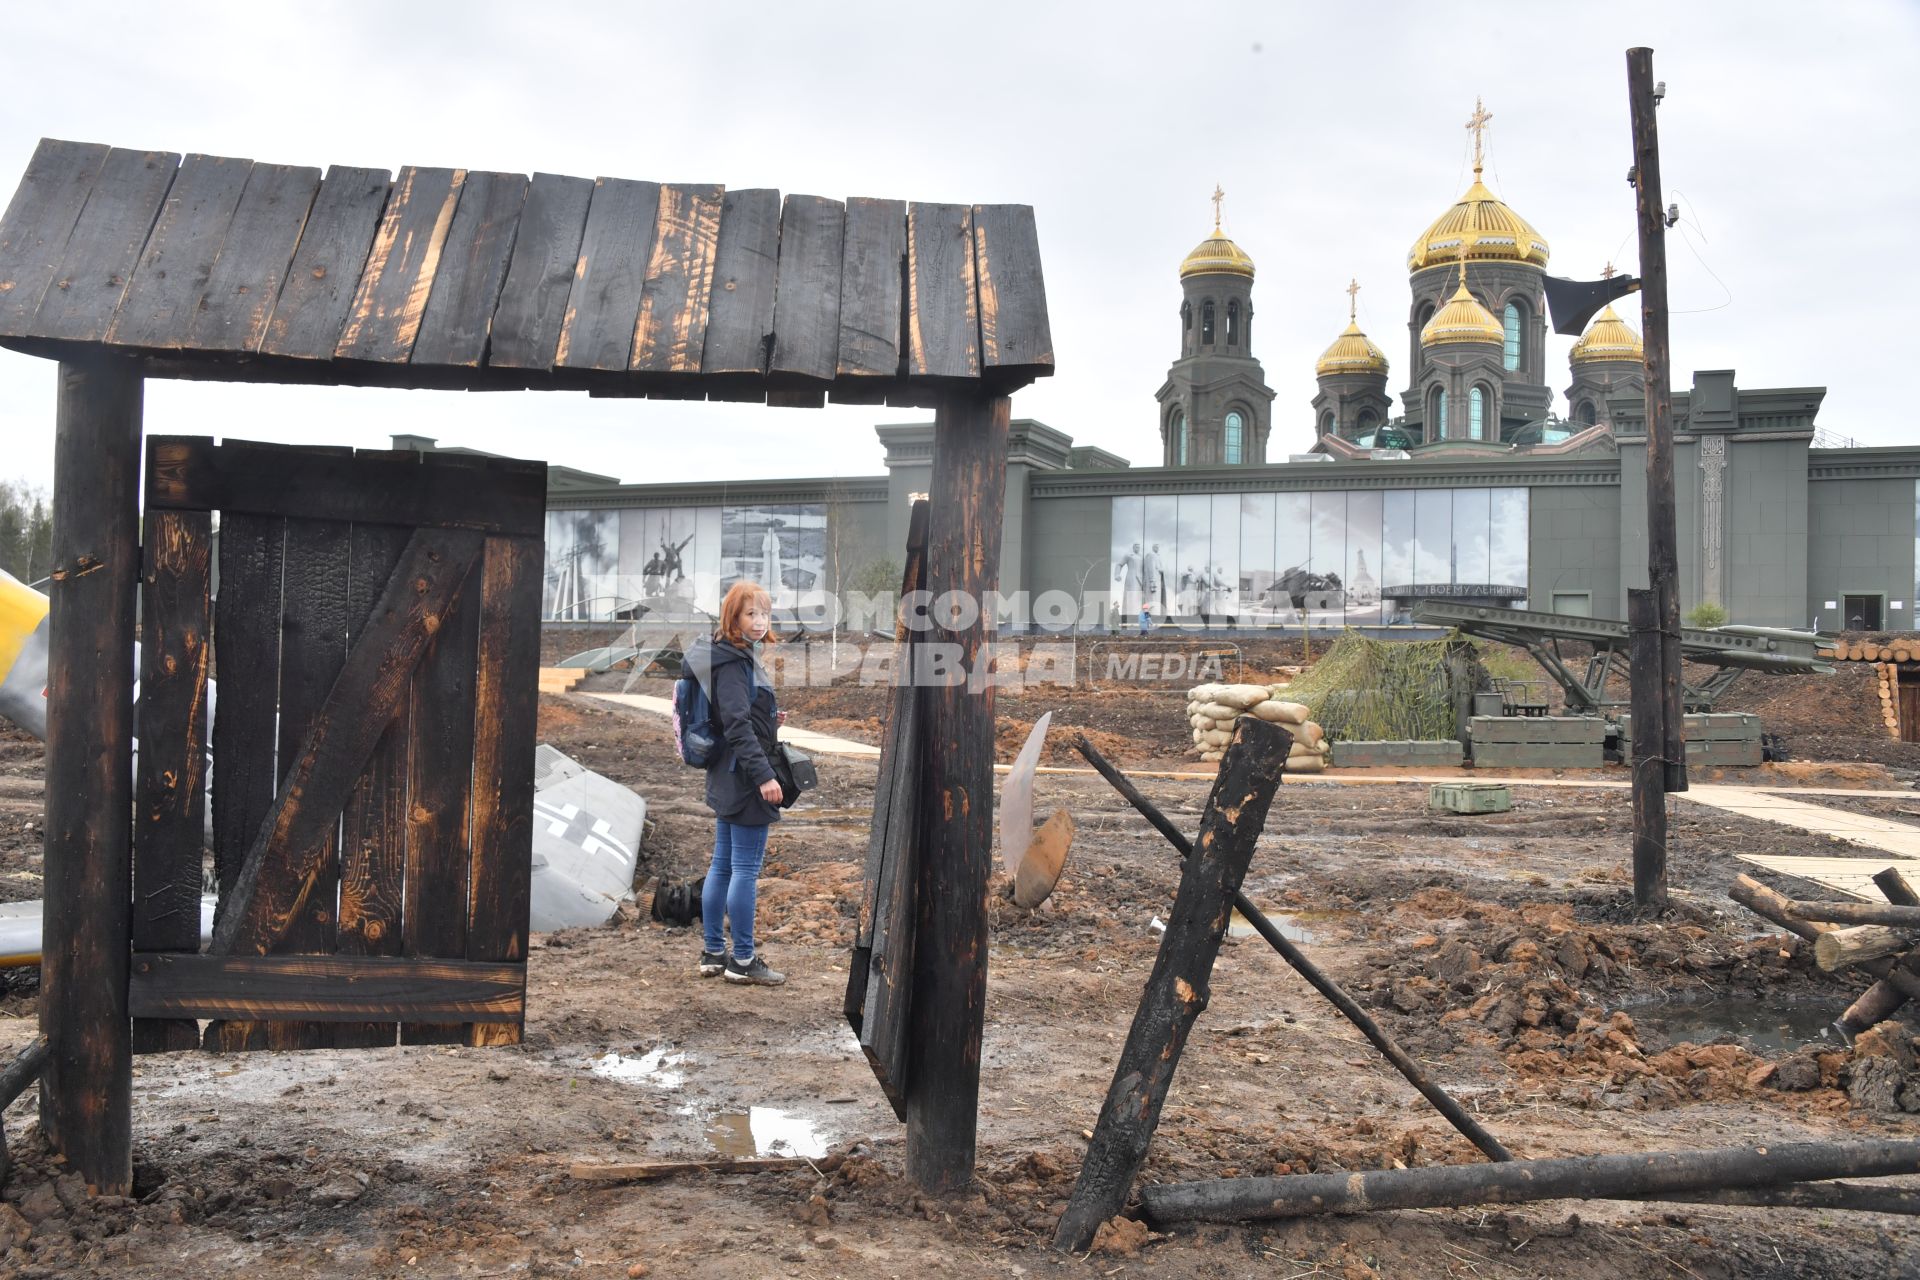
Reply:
x=38 y=222
x=745 y=267
x=105 y=245
x=1178 y=989
x=170 y=811
x=392 y=298
x=324 y=988
x=1014 y=332
x=253 y=262
x=86 y=1096
x=506 y=706
x=968 y=501
x=473 y=266
x=671 y=331
x=806 y=304
x=604 y=305
x=191 y=473
x=272 y=880
x=373 y=828
x=440 y=761
x=246 y=647
x=653 y=1170
x=312 y=307
x=177 y=262
x=943 y=324
x=872 y=288
x=313 y=649
x=533 y=301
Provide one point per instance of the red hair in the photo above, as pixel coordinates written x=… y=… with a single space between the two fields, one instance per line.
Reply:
x=741 y=596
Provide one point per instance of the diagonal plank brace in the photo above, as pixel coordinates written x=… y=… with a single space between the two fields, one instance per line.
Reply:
x=278 y=871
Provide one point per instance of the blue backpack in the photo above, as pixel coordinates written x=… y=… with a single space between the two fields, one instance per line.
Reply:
x=694 y=730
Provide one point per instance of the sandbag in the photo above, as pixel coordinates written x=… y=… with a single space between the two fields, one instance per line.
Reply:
x=1219 y=711
x=1300 y=751
x=1199 y=721
x=1215 y=737
x=1306 y=764
x=1309 y=733
x=1274 y=711
x=1213 y=757
x=1242 y=696
x=1197 y=732
x=1205 y=692
x=1222 y=724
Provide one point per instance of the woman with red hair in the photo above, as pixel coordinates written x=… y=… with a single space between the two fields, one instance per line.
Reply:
x=742 y=790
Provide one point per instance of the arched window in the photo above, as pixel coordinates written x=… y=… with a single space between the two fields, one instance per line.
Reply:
x=1186 y=317
x=1512 y=351
x=1326 y=424
x=1177 y=428
x=1477 y=413
x=1368 y=421
x=1585 y=414
x=1236 y=429
x=1206 y=321
x=1233 y=322
x=1437 y=414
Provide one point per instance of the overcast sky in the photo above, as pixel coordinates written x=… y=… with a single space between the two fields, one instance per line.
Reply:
x=1789 y=138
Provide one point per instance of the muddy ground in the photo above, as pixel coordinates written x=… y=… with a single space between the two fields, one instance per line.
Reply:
x=1501 y=950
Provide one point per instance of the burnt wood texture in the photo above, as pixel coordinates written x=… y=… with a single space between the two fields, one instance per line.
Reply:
x=955 y=837
x=1177 y=989
x=232 y=269
x=374 y=803
x=86 y=1099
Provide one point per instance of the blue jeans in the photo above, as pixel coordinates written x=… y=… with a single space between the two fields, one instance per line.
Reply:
x=733 y=886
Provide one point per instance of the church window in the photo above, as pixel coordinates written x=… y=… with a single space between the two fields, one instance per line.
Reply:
x=1477 y=414
x=1235 y=430
x=1177 y=427
x=1186 y=317
x=1326 y=424
x=1368 y=421
x=1437 y=414
x=1511 y=353
x=1585 y=414
x=1233 y=322
x=1206 y=321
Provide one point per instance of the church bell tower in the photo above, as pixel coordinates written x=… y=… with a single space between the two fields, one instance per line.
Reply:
x=1215 y=406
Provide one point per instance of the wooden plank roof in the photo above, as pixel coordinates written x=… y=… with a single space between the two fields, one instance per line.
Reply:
x=231 y=270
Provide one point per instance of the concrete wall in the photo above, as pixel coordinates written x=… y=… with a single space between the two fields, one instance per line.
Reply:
x=1860 y=542
x=1766 y=532
x=1070 y=540
x=1574 y=546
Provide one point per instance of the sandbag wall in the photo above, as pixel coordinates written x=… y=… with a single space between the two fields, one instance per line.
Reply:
x=1212 y=709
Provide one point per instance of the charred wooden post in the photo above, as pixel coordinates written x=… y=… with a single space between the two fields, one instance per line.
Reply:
x=1376 y=1035
x=86 y=1092
x=1642 y=1174
x=1663 y=560
x=1177 y=990
x=14 y=1079
x=1880 y=1001
x=948 y=1010
x=1846 y=1196
x=1649 y=756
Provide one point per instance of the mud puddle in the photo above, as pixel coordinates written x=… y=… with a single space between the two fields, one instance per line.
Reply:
x=1764 y=1026
x=765 y=1131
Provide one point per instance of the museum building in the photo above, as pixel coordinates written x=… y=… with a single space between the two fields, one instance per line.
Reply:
x=1473 y=490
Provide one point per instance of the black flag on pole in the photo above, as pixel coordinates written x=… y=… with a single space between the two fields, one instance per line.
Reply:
x=1572 y=303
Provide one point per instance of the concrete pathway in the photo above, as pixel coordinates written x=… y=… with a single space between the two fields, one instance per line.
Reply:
x=1902 y=838
x=805 y=739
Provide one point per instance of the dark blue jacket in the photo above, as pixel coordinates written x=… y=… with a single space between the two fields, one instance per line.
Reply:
x=746 y=711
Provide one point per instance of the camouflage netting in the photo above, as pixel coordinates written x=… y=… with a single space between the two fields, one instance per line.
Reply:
x=1366 y=690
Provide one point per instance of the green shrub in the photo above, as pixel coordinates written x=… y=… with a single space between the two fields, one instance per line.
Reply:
x=1706 y=614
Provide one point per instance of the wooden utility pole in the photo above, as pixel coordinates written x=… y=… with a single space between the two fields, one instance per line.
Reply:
x=1659 y=747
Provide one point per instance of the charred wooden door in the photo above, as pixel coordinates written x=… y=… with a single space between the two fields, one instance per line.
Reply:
x=1908 y=707
x=376 y=643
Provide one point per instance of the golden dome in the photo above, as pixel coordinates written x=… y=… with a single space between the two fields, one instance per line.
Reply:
x=1217 y=255
x=1463 y=319
x=1493 y=232
x=1608 y=338
x=1351 y=352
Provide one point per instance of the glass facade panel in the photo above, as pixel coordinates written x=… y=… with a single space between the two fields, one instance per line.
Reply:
x=1363 y=529
x=1396 y=538
x=1256 y=557
x=1326 y=588
x=1432 y=537
x=1194 y=551
x=1225 y=576
x=1129 y=515
x=1508 y=532
x=1471 y=512
x=1159 y=537
x=1292 y=547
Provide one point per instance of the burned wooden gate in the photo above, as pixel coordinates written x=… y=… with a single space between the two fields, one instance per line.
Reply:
x=376 y=639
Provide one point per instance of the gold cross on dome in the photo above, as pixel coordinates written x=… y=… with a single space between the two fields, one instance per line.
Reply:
x=1477 y=126
x=1218 y=196
x=1607 y=272
x=1353 y=298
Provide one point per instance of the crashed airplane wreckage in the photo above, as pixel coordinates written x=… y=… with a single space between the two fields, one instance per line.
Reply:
x=586 y=830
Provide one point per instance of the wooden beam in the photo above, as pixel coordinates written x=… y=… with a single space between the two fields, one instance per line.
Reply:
x=1177 y=990
x=967 y=498
x=86 y=1106
x=324 y=988
x=277 y=872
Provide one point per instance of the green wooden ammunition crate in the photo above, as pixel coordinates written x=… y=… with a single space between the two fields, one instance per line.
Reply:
x=1469 y=797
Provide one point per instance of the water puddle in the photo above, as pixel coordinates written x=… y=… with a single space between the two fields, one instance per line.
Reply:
x=1765 y=1026
x=663 y=1068
x=764 y=1131
x=1290 y=928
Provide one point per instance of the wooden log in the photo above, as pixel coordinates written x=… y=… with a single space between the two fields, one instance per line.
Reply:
x=14 y=1079
x=1884 y=913
x=653 y=1170
x=1608 y=1177
x=170 y=818
x=968 y=496
x=1649 y=763
x=86 y=1094
x=1845 y=947
x=1845 y=1196
x=1444 y=1102
x=1759 y=899
x=1177 y=990
x=1880 y=1001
